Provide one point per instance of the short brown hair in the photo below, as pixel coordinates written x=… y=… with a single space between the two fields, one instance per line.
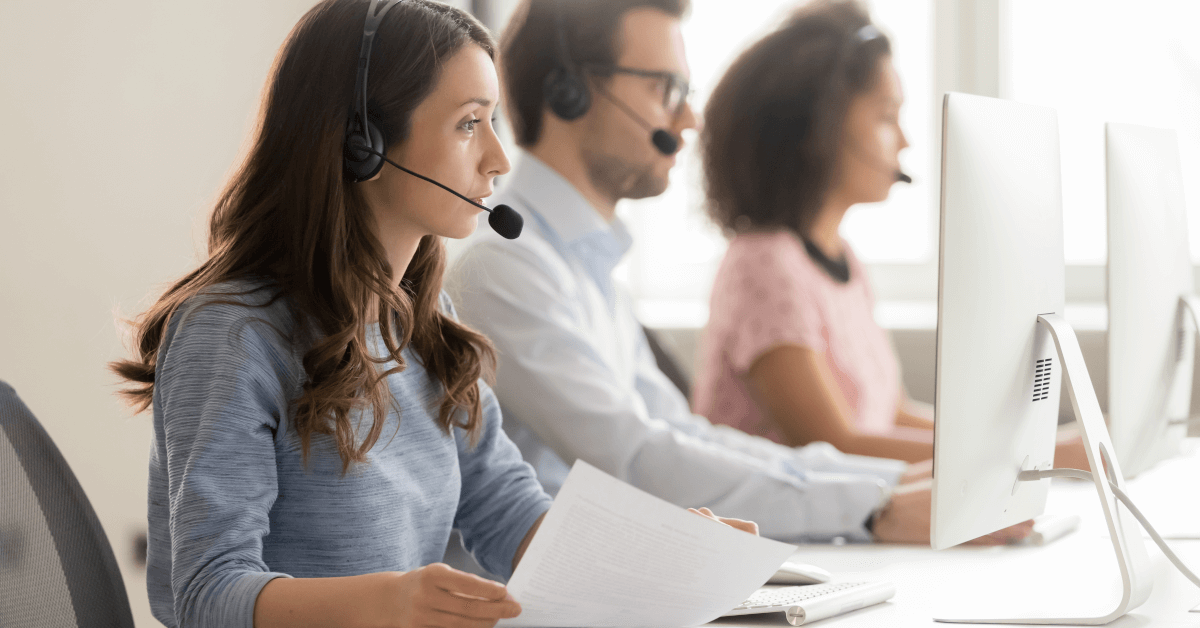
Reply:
x=773 y=125
x=529 y=48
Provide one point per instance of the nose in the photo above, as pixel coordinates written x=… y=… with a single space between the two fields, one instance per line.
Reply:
x=495 y=160
x=687 y=119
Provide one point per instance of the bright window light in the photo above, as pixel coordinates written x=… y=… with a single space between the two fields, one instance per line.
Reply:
x=677 y=248
x=1106 y=61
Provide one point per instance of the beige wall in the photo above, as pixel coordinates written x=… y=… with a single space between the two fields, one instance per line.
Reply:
x=118 y=122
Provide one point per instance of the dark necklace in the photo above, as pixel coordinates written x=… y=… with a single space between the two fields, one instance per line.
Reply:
x=838 y=269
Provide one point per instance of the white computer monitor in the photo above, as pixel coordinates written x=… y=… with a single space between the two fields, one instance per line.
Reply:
x=1151 y=346
x=1003 y=348
x=1001 y=266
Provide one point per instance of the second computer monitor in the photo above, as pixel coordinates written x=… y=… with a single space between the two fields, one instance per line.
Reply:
x=1150 y=339
x=1000 y=267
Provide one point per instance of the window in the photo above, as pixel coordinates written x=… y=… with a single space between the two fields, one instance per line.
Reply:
x=1101 y=61
x=677 y=248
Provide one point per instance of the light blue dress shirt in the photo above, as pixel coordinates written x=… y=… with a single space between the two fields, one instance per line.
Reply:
x=577 y=379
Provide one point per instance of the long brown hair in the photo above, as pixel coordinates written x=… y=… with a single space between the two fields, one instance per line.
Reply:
x=773 y=126
x=289 y=215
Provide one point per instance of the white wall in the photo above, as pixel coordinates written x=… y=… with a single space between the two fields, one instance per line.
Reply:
x=118 y=122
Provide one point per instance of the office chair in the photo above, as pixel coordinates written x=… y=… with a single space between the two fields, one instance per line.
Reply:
x=668 y=364
x=56 y=566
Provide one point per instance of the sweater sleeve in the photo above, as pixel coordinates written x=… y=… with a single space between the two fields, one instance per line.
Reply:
x=220 y=395
x=501 y=497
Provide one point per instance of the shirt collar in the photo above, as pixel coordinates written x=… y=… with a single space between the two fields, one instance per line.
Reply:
x=562 y=209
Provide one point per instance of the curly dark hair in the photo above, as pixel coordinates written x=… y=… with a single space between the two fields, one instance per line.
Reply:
x=773 y=125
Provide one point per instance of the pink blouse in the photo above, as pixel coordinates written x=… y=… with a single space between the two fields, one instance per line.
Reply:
x=768 y=293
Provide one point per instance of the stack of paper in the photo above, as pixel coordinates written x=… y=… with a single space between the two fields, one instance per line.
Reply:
x=610 y=555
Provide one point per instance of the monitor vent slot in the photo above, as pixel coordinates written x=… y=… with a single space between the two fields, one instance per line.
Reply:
x=1041 y=379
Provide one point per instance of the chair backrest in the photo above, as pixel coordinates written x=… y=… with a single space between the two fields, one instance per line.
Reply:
x=56 y=566
x=667 y=364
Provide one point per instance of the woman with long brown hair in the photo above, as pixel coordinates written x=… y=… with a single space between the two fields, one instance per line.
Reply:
x=319 y=420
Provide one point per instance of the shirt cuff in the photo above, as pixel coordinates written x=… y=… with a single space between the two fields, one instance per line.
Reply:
x=235 y=605
x=510 y=545
x=825 y=458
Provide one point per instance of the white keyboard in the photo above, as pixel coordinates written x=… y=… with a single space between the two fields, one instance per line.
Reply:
x=816 y=601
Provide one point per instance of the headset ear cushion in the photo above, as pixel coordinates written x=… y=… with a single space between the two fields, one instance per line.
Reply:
x=360 y=165
x=566 y=94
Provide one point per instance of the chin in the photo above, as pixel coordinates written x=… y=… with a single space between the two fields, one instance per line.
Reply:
x=463 y=230
x=459 y=227
x=882 y=193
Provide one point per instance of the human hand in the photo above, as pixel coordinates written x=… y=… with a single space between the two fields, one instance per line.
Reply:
x=917 y=471
x=907 y=519
x=440 y=596
x=1069 y=450
x=744 y=526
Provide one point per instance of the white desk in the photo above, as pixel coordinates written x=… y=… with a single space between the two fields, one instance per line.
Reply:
x=1072 y=573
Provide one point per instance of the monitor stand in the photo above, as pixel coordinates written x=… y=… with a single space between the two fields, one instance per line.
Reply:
x=1190 y=304
x=1122 y=527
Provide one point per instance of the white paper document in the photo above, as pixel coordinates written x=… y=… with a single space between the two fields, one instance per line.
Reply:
x=608 y=555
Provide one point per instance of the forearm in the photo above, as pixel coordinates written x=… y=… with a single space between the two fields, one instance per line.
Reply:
x=908 y=416
x=347 y=602
x=897 y=446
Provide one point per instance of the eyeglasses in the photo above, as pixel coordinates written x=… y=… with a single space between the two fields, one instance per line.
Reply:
x=674 y=87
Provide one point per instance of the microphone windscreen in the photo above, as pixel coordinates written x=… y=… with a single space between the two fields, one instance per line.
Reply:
x=900 y=176
x=506 y=221
x=664 y=142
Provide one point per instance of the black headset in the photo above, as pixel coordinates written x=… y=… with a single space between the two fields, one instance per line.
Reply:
x=564 y=89
x=858 y=41
x=566 y=92
x=364 y=149
x=365 y=144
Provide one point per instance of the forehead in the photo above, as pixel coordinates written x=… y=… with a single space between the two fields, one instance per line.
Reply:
x=468 y=73
x=650 y=39
x=887 y=84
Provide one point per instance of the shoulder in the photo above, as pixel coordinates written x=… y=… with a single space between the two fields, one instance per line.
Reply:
x=488 y=262
x=446 y=306
x=766 y=250
x=240 y=312
x=772 y=259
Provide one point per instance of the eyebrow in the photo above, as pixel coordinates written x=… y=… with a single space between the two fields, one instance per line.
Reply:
x=479 y=100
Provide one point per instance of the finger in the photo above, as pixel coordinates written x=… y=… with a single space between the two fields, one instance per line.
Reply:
x=1011 y=534
x=458 y=582
x=442 y=618
x=708 y=513
x=473 y=607
x=706 y=516
x=743 y=525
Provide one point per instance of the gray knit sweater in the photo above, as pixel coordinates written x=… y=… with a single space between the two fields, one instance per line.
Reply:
x=231 y=506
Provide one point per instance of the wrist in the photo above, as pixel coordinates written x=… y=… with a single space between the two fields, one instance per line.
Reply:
x=881 y=509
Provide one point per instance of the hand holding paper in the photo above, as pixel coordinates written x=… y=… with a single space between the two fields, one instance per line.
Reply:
x=610 y=555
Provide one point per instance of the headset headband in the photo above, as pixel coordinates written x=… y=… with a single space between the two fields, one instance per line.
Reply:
x=560 y=38
x=375 y=15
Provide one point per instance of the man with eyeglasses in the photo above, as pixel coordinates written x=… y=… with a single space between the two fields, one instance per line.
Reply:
x=597 y=94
